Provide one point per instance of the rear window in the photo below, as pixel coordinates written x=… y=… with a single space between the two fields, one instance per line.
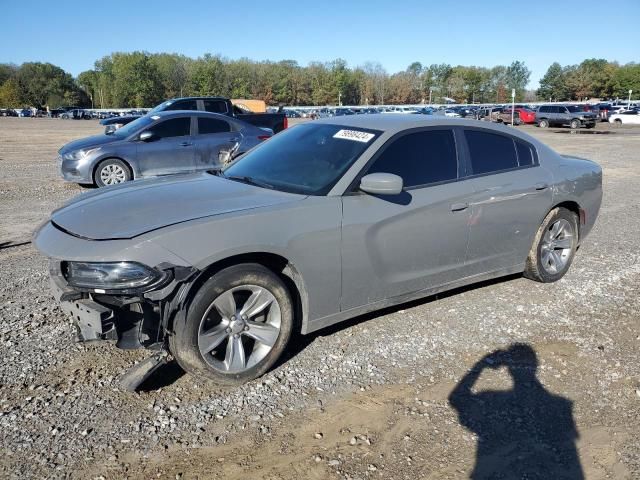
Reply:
x=420 y=158
x=212 y=125
x=490 y=152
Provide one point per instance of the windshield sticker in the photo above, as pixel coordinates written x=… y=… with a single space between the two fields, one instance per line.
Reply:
x=354 y=135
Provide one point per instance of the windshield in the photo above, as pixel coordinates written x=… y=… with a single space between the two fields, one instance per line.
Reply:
x=307 y=159
x=575 y=109
x=132 y=127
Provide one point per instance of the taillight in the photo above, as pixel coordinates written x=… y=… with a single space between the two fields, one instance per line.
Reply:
x=264 y=137
x=286 y=122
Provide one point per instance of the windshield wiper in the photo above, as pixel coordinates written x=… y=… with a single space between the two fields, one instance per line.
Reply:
x=248 y=180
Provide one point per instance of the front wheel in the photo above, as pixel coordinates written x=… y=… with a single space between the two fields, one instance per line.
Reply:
x=111 y=171
x=544 y=123
x=554 y=246
x=237 y=326
x=575 y=124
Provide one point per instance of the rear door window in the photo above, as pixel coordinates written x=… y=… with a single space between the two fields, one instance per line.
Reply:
x=490 y=152
x=215 y=106
x=525 y=154
x=175 y=127
x=420 y=158
x=212 y=125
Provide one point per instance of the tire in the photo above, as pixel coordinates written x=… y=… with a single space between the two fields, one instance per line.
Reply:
x=575 y=124
x=543 y=123
x=618 y=122
x=111 y=171
x=545 y=264
x=206 y=326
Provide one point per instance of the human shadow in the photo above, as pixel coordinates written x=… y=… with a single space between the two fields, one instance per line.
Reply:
x=523 y=433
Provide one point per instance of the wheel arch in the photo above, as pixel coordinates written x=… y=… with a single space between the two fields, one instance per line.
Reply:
x=277 y=264
x=572 y=206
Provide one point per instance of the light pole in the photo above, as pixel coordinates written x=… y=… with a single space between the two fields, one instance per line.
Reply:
x=339 y=98
x=430 y=92
x=513 y=104
x=629 y=104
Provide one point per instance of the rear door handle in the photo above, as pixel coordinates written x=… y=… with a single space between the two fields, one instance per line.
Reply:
x=457 y=207
x=186 y=144
x=541 y=186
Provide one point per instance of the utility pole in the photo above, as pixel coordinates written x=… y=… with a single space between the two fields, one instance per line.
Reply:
x=339 y=98
x=430 y=92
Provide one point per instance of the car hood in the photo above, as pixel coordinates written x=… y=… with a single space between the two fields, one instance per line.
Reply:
x=88 y=142
x=128 y=210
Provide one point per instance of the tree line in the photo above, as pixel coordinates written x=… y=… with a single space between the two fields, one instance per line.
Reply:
x=142 y=79
x=593 y=78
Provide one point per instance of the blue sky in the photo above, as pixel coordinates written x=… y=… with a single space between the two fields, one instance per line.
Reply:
x=395 y=33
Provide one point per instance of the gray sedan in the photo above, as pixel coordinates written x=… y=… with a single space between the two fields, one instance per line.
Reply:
x=326 y=221
x=160 y=144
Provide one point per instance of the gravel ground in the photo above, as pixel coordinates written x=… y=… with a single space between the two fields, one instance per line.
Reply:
x=366 y=399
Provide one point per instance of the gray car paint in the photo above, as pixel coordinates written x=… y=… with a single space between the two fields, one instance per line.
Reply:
x=163 y=156
x=348 y=252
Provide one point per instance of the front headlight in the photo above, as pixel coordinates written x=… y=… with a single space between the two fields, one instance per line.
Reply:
x=105 y=276
x=80 y=154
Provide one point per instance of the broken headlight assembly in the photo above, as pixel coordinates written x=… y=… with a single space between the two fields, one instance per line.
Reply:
x=113 y=277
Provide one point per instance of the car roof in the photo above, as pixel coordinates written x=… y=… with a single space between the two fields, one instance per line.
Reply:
x=391 y=124
x=198 y=113
x=397 y=123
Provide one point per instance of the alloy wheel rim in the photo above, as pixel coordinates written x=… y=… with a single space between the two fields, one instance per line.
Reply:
x=557 y=245
x=112 y=174
x=239 y=328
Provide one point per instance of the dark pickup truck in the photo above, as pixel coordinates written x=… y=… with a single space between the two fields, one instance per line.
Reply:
x=275 y=121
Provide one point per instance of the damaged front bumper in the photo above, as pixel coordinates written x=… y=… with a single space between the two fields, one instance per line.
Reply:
x=132 y=321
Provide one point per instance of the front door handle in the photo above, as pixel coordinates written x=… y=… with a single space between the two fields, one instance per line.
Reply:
x=541 y=186
x=186 y=144
x=458 y=207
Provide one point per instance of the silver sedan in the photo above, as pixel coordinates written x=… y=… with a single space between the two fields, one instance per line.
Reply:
x=162 y=143
x=326 y=221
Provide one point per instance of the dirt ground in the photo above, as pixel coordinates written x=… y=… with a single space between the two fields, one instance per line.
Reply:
x=413 y=392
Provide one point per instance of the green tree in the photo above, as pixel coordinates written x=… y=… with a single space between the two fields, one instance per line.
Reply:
x=517 y=77
x=10 y=94
x=626 y=78
x=40 y=82
x=553 y=85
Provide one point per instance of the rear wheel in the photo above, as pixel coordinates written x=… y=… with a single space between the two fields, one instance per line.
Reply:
x=111 y=171
x=554 y=246
x=618 y=122
x=237 y=326
x=544 y=123
x=575 y=123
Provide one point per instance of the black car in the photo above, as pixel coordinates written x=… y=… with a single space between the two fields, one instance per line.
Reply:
x=273 y=121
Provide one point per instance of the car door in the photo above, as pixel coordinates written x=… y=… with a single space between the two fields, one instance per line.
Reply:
x=169 y=150
x=394 y=245
x=511 y=195
x=214 y=138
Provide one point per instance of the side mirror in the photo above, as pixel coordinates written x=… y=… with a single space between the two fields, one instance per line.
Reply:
x=146 y=136
x=381 y=184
